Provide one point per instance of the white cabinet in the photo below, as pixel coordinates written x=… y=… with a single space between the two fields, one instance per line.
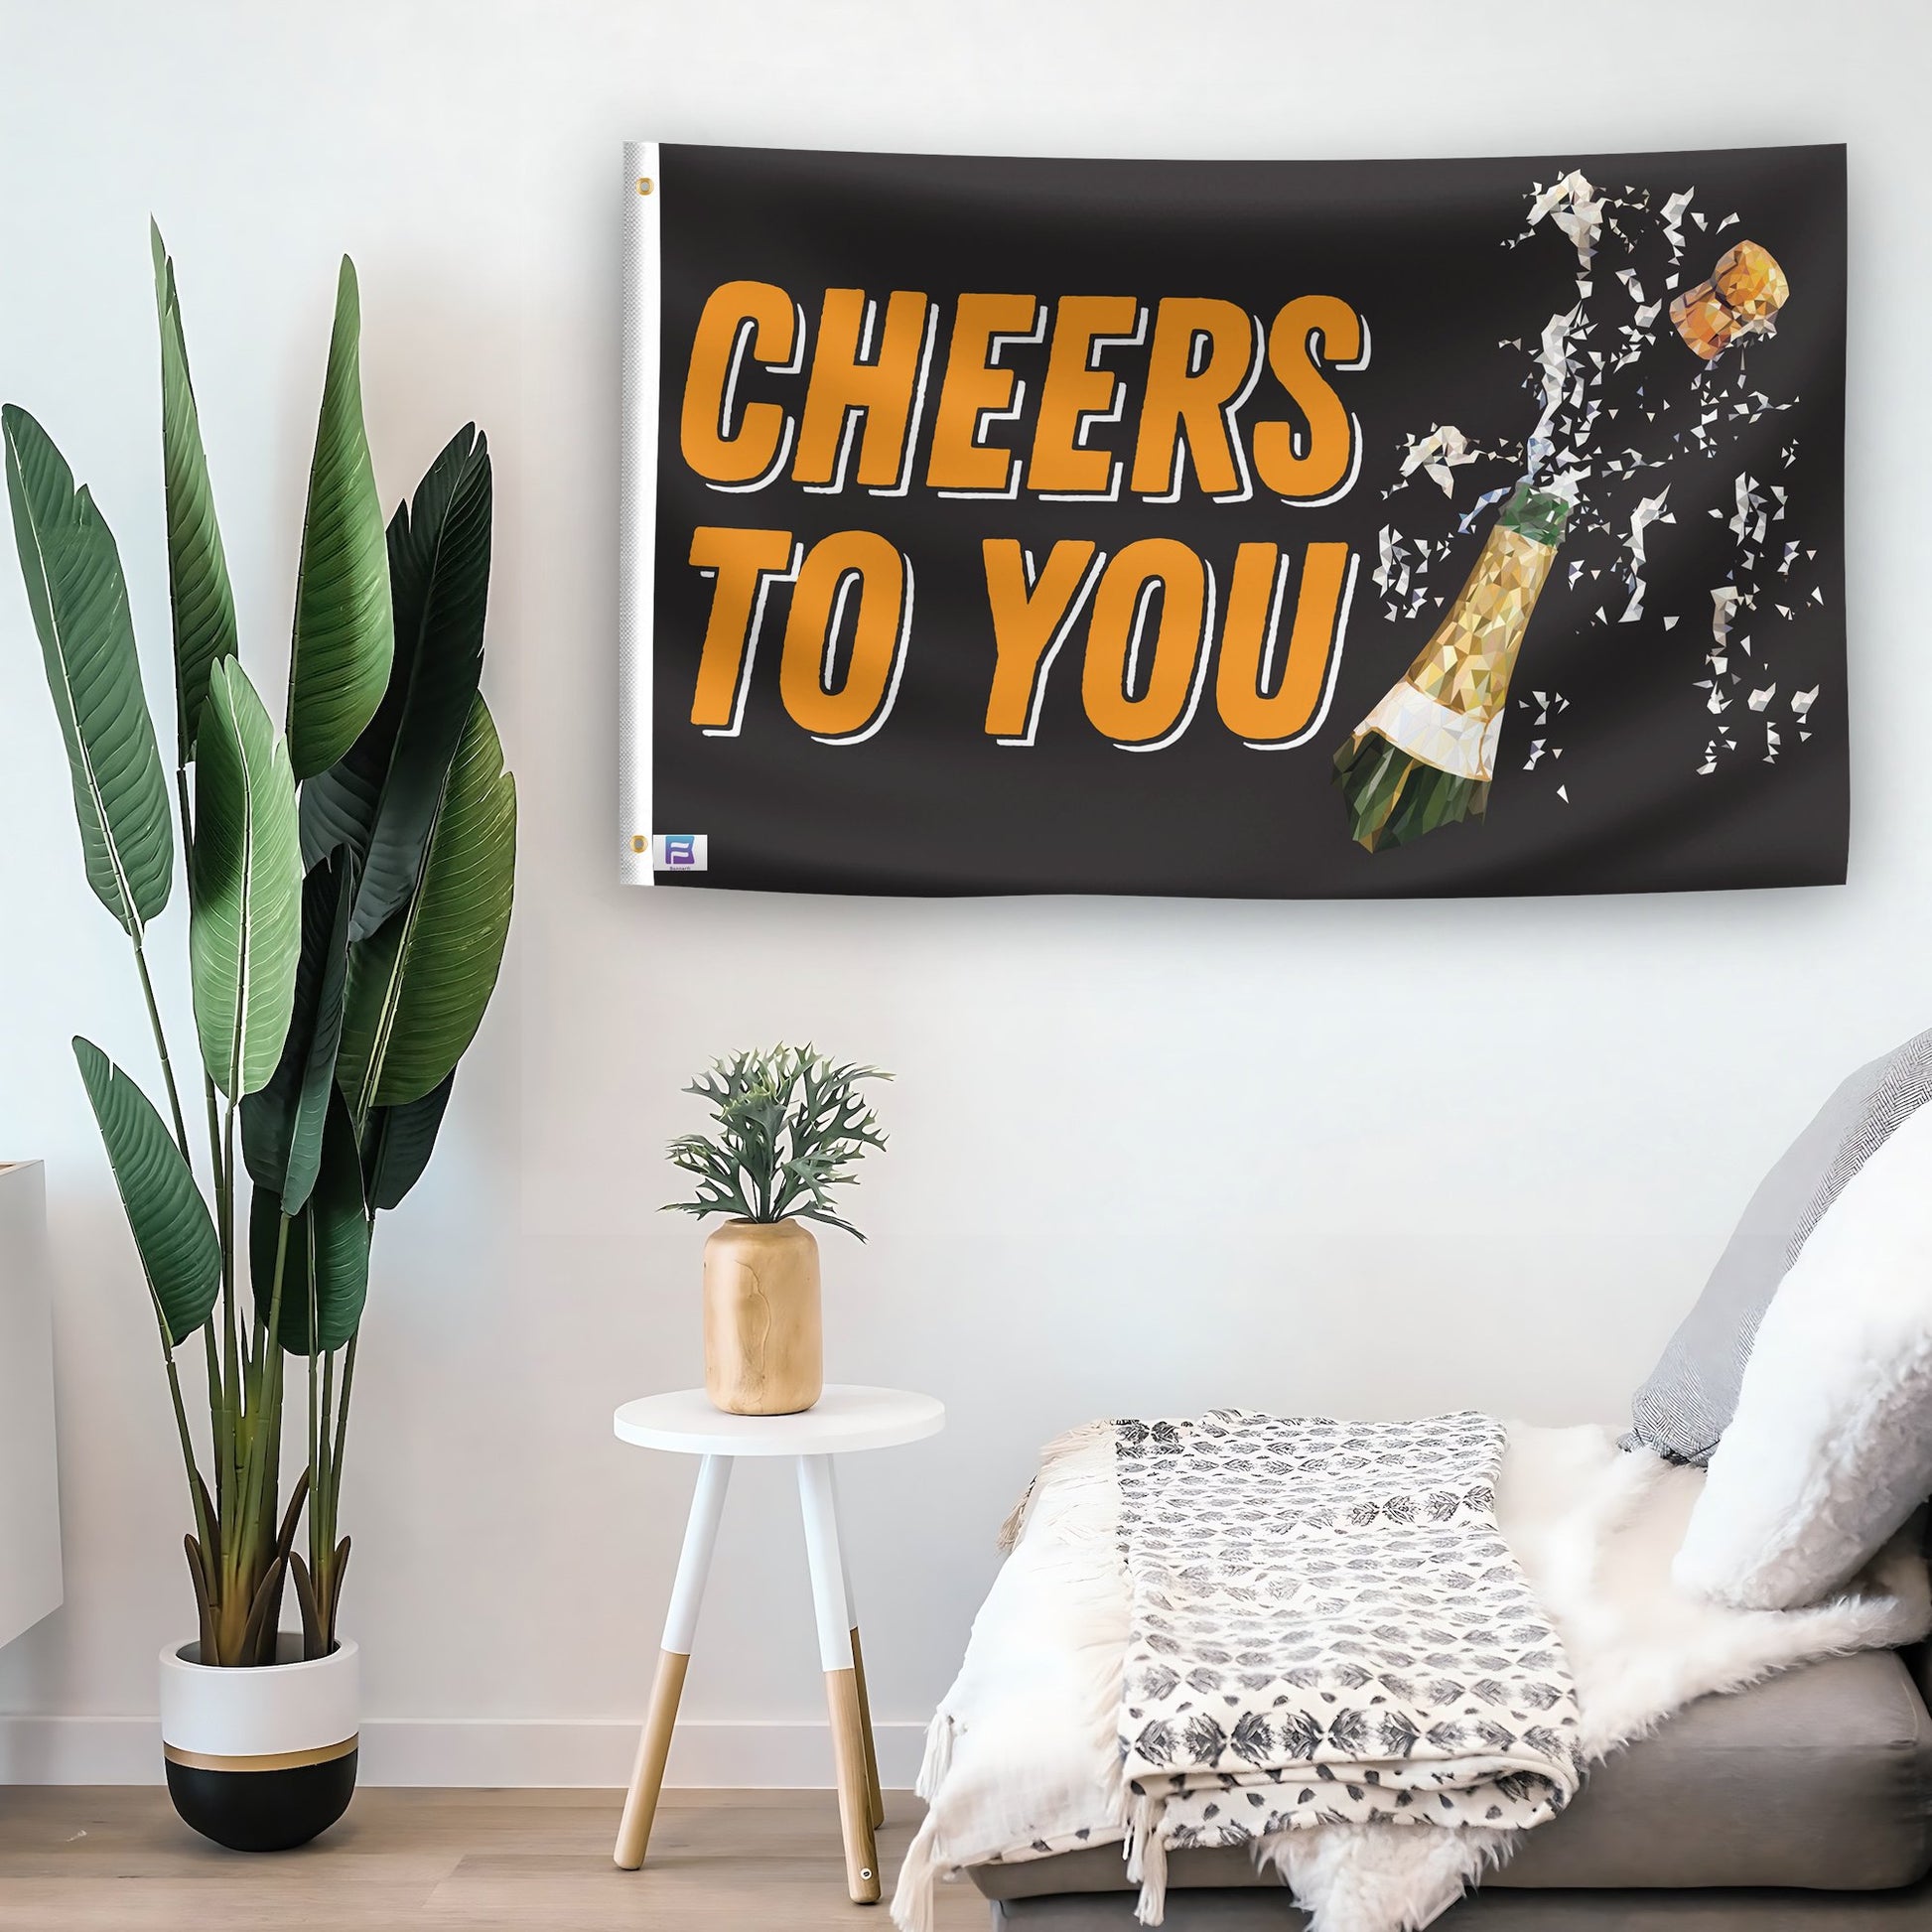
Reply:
x=30 y=1510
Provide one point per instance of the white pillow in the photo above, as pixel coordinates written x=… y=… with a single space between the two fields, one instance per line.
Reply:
x=1830 y=1448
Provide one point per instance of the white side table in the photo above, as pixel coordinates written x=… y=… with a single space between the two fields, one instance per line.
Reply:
x=845 y=1420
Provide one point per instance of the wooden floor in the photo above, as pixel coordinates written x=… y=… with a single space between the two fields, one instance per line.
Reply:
x=116 y=1859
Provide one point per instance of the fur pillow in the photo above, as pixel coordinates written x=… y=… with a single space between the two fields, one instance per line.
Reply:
x=1830 y=1451
x=1682 y=1410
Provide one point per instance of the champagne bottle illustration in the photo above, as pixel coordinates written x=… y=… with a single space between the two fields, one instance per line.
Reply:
x=1425 y=756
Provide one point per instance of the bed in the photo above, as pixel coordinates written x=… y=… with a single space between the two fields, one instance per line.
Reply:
x=1769 y=1769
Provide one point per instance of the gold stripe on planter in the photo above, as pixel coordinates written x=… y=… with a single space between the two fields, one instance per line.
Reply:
x=266 y=1761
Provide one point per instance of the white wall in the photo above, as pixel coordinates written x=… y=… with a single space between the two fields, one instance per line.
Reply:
x=1129 y=1170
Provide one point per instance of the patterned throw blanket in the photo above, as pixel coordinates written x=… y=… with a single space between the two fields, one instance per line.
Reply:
x=1326 y=1626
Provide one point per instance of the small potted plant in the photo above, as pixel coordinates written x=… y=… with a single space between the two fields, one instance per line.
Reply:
x=789 y=1127
x=349 y=880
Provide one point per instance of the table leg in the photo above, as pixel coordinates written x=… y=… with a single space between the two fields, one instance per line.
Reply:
x=680 y=1626
x=877 y=1797
x=819 y=1507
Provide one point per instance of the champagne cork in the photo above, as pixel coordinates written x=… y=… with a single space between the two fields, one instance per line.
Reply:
x=1745 y=291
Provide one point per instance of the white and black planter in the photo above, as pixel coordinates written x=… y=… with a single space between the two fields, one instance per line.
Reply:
x=262 y=1759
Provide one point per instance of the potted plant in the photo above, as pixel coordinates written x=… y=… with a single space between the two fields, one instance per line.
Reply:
x=348 y=895
x=788 y=1126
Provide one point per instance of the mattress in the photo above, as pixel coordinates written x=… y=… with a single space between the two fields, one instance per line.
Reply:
x=1820 y=1780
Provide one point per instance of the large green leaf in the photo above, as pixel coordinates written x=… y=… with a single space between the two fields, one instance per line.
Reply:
x=198 y=570
x=380 y=797
x=281 y=1126
x=79 y=599
x=344 y=632
x=418 y=989
x=325 y=1264
x=173 y=1233
x=398 y=1143
x=244 y=933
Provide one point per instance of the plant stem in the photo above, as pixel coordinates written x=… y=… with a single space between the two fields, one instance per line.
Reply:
x=330 y=1599
x=264 y=1436
x=201 y=1525
x=316 y=1433
x=161 y=1048
x=235 y=1415
x=230 y=1347
x=322 y=1515
x=218 y=1432
x=244 y=1567
x=342 y=1407
x=219 y=1395
x=187 y=811
x=189 y=1466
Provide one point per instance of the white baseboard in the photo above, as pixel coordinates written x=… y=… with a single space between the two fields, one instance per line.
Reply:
x=485 y=1753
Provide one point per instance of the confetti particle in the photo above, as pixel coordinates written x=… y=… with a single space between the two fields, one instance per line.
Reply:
x=1615 y=402
x=1443 y=450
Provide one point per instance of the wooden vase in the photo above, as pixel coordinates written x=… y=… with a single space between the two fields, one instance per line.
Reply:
x=763 y=1342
